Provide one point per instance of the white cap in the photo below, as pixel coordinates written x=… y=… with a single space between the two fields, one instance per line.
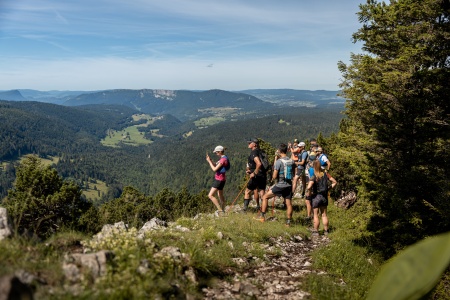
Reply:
x=218 y=149
x=302 y=144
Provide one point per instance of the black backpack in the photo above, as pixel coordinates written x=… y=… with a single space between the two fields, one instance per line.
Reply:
x=264 y=160
x=322 y=184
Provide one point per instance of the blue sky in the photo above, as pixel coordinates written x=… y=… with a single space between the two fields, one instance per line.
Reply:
x=175 y=44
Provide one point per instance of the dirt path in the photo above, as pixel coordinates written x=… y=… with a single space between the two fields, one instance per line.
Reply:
x=278 y=277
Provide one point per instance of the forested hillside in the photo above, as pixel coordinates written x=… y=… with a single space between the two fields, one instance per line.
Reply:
x=173 y=160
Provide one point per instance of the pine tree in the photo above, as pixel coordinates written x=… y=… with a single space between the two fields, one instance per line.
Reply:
x=398 y=115
x=41 y=202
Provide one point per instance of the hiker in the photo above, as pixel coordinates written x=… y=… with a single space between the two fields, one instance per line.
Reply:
x=294 y=149
x=323 y=158
x=219 y=168
x=300 y=170
x=258 y=178
x=318 y=187
x=309 y=172
x=283 y=173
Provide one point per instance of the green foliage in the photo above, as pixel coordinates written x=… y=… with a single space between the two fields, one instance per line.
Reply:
x=413 y=272
x=135 y=209
x=349 y=264
x=397 y=126
x=41 y=202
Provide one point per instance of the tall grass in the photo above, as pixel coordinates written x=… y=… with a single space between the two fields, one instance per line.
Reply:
x=348 y=266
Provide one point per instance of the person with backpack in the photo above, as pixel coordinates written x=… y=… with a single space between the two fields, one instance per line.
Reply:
x=309 y=172
x=283 y=173
x=295 y=150
x=323 y=158
x=300 y=168
x=220 y=168
x=318 y=187
x=257 y=173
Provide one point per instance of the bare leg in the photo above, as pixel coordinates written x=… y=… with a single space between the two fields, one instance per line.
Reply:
x=265 y=200
x=289 y=208
x=256 y=197
x=214 y=199
x=294 y=184
x=247 y=198
x=303 y=178
x=316 y=219
x=323 y=210
x=308 y=208
x=221 y=199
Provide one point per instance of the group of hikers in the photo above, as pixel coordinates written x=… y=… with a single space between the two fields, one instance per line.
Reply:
x=292 y=163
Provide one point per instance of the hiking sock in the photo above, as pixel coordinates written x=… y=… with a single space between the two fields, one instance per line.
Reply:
x=288 y=221
x=263 y=215
x=246 y=203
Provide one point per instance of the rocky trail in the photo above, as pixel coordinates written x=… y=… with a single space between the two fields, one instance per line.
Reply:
x=279 y=277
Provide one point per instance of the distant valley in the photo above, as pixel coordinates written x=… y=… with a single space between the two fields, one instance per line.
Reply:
x=151 y=139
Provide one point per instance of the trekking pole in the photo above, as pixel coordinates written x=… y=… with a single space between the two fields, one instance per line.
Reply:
x=232 y=204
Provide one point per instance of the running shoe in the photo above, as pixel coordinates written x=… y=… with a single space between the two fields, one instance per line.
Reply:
x=260 y=219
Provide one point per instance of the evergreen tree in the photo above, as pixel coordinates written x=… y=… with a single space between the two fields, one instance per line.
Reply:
x=41 y=202
x=398 y=116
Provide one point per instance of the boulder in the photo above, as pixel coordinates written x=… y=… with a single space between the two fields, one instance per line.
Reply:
x=346 y=200
x=75 y=263
x=153 y=224
x=12 y=288
x=5 y=225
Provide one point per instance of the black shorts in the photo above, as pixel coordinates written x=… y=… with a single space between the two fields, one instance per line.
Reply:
x=319 y=201
x=218 y=184
x=285 y=192
x=300 y=172
x=258 y=182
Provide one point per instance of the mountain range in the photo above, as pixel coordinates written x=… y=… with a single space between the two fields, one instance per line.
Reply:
x=183 y=104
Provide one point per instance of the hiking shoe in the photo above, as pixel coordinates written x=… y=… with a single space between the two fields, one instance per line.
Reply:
x=325 y=232
x=315 y=234
x=260 y=219
x=288 y=223
x=219 y=213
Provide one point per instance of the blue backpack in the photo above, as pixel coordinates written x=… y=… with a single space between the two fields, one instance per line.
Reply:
x=323 y=163
x=287 y=168
x=226 y=166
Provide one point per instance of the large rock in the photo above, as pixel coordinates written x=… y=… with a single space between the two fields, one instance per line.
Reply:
x=109 y=230
x=12 y=288
x=346 y=200
x=153 y=224
x=5 y=225
x=75 y=263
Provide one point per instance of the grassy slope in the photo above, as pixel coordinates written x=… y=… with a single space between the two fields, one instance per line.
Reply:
x=210 y=255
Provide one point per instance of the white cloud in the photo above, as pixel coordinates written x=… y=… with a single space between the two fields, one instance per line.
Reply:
x=106 y=44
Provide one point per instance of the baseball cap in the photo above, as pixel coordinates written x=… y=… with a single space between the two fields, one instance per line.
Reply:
x=254 y=140
x=218 y=149
x=302 y=144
